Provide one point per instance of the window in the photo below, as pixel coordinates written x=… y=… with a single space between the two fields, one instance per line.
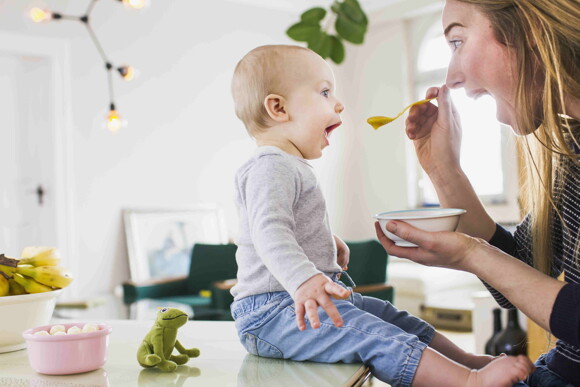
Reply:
x=487 y=150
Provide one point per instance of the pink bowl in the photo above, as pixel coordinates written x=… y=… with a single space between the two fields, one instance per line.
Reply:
x=67 y=354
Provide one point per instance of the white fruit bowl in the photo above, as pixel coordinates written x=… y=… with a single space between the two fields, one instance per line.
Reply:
x=428 y=219
x=22 y=312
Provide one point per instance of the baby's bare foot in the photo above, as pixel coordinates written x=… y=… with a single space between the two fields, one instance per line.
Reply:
x=503 y=371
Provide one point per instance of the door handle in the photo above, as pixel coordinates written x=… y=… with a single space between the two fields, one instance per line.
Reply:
x=40 y=192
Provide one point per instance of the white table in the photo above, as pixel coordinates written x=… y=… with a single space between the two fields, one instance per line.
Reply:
x=223 y=362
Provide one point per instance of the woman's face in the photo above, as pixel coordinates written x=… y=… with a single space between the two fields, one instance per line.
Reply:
x=479 y=63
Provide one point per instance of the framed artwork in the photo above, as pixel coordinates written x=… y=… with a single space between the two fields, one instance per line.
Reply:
x=160 y=240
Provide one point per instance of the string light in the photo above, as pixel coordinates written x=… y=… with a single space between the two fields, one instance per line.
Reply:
x=114 y=122
x=39 y=15
x=127 y=72
x=135 y=4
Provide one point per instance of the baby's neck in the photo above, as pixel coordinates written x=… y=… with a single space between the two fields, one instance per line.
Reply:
x=279 y=142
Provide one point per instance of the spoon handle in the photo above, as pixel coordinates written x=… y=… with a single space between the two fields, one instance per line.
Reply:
x=377 y=122
x=413 y=104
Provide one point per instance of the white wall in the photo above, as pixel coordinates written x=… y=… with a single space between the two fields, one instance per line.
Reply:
x=184 y=143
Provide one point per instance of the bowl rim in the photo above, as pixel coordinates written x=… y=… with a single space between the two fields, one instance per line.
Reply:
x=30 y=297
x=446 y=212
x=29 y=335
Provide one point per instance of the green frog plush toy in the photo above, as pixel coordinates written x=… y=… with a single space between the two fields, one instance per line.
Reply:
x=158 y=345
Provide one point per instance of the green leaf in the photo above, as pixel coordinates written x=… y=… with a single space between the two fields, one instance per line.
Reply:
x=315 y=38
x=357 y=14
x=349 y=30
x=337 y=49
x=322 y=45
x=351 y=9
x=313 y=15
x=335 y=7
x=303 y=32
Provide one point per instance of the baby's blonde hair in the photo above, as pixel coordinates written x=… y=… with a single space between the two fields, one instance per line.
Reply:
x=259 y=73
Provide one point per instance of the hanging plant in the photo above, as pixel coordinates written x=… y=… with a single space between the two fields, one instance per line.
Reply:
x=350 y=24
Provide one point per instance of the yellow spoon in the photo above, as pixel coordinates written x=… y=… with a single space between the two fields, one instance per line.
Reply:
x=378 y=121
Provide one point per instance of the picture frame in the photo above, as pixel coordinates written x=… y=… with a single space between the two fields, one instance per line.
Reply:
x=160 y=240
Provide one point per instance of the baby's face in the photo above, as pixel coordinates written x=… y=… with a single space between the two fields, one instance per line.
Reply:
x=313 y=108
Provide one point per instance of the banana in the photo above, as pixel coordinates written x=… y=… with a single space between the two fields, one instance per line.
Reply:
x=30 y=285
x=15 y=288
x=8 y=270
x=53 y=276
x=39 y=256
x=4 y=286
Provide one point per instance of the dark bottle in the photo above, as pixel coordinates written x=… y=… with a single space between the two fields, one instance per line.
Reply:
x=490 y=345
x=512 y=340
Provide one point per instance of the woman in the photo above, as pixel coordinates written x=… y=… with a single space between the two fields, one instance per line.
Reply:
x=525 y=54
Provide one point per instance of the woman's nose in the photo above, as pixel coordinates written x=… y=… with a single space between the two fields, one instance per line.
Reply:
x=455 y=78
x=339 y=107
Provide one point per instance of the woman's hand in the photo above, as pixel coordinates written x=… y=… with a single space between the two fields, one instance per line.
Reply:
x=436 y=132
x=530 y=291
x=342 y=253
x=436 y=135
x=445 y=249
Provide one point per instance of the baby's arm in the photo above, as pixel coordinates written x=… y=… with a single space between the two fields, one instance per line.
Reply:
x=315 y=292
x=342 y=253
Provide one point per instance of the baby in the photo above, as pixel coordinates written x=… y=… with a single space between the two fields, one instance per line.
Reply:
x=289 y=260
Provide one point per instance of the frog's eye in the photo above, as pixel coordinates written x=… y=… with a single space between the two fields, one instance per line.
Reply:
x=163 y=310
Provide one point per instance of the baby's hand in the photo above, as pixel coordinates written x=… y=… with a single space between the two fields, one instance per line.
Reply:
x=315 y=292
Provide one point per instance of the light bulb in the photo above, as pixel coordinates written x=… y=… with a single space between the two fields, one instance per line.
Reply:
x=39 y=15
x=127 y=72
x=135 y=4
x=114 y=122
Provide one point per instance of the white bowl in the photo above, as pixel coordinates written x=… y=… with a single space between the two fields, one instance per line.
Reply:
x=428 y=219
x=19 y=313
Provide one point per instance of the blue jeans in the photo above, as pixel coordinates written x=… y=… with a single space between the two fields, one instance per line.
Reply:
x=544 y=377
x=375 y=333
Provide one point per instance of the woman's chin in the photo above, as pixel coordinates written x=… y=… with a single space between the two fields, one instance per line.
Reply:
x=509 y=120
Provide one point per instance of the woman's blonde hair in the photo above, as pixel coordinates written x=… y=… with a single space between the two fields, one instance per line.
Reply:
x=259 y=73
x=544 y=36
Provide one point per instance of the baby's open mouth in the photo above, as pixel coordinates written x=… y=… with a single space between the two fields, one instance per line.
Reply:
x=328 y=130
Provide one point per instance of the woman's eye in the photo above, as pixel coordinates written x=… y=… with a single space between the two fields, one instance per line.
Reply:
x=325 y=93
x=454 y=44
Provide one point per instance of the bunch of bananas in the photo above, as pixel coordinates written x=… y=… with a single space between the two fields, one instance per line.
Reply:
x=36 y=271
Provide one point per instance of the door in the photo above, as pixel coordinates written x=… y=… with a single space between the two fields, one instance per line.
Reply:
x=27 y=159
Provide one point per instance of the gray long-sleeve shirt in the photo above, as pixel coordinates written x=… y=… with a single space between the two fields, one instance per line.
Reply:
x=284 y=236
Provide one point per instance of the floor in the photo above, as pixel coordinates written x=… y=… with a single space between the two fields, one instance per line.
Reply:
x=464 y=340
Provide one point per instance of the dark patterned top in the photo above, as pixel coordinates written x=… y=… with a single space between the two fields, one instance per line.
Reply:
x=564 y=359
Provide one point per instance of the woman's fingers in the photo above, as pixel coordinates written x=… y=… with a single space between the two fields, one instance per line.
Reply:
x=432 y=92
x=447 y=107
x=411 y=253
x=386 y=242
x=422 y=117
x=410 y=233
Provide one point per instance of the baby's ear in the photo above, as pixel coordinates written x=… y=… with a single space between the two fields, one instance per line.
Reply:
x=276 y=107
